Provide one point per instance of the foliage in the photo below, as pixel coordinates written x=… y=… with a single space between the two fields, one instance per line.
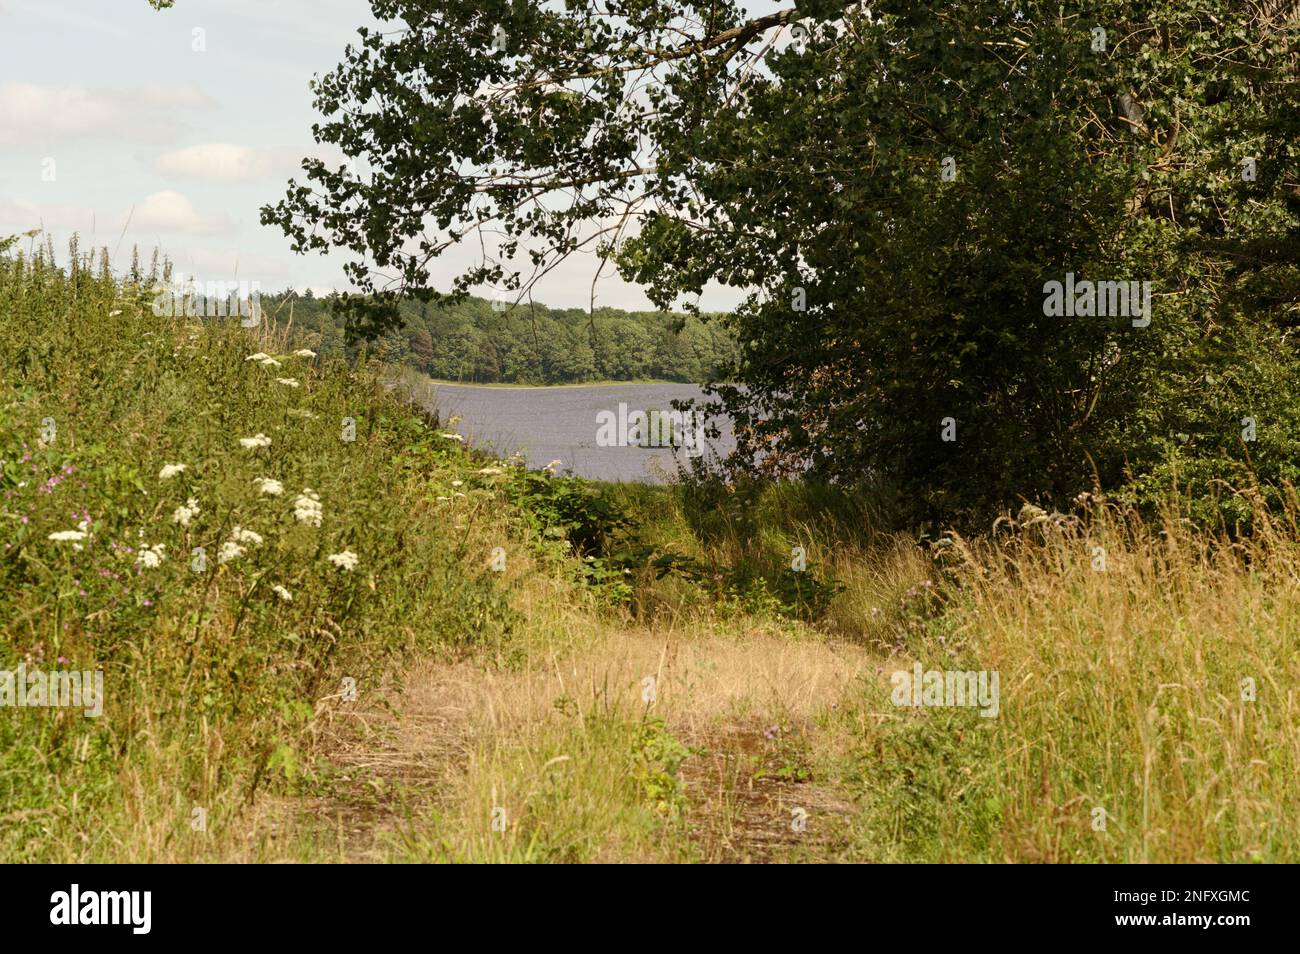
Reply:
x=887 y=297
x=473 y=342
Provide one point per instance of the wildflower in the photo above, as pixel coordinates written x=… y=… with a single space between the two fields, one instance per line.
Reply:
x=240 y=535
x=453 y=437
x=347 y=560
x=259 y=357
x=170 y=470
x=307 y=508
x=281 y=592
x=150 y=557
x=268 y=486
x=229 y=551
x=269 y=362
x=65 y=535
x=257 y=440
x=287 y=382
x=304 y=353
x=490 y=471
x=185 y=513
x=550 y=468
x=115 y=312
x=458 y=483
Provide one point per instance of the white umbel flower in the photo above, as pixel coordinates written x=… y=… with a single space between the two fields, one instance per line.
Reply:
x=281 y=592
x=66 y=535
x=150 y=557
x=307 y=508
x=287 y=382
x=240 y=535
x=185 y=513
x=304 y=353
x=229 y=551
x=269 y=486
x=257 y=440
x=170 y=470
x=347 y=560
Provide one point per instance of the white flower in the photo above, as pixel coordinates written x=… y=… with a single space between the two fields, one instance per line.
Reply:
x=347 y=560
x=115 y=312
x=281 y=592
x=229 y=551
x=260 y=356
x=287 y=382
x=184 y=514
x=269 y=362
x=170 y=470
x=490 y=471
x=307 y=508
x=257 y=440
x=268 y=486
x=150 y=557
x=304 y=353
x=453 y=437
x=458 y=483
x=240 y=535
x=63 y=535
x=552 y=465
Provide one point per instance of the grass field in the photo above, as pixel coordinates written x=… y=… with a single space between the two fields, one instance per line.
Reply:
x=392 y=648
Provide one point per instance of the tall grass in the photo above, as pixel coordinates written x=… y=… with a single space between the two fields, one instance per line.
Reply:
x=1148 y=675
x=1148 y=668
x=214 y=679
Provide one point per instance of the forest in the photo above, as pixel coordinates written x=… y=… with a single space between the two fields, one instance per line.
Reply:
x=478 y=341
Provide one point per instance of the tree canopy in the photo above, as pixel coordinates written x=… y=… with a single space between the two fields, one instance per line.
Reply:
x=895 y=186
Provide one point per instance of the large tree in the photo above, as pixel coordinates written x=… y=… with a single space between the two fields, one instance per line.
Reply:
x=894 y=185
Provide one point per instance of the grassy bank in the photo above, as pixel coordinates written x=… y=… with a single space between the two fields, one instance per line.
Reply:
x=393 y=649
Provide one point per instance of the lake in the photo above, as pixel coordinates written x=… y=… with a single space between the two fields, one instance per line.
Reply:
x=562 y=423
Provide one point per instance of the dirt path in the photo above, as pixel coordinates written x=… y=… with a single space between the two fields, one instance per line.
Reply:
x=748 y=708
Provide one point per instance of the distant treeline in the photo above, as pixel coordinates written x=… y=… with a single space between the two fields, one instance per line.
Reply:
x=471 y=342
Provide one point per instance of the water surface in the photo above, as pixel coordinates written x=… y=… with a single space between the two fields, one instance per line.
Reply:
x=560 y=423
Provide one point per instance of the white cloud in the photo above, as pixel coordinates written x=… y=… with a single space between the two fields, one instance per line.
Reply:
x=170 y=211
x=215 y=160
x=44 y=114
x=166 y=212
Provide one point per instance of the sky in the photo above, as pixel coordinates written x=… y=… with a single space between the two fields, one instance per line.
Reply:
x=170 y=129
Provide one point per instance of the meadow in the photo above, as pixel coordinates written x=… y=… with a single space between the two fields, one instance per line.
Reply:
x=330 y=631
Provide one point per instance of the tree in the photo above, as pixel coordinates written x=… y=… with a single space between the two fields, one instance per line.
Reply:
x=896 y=186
